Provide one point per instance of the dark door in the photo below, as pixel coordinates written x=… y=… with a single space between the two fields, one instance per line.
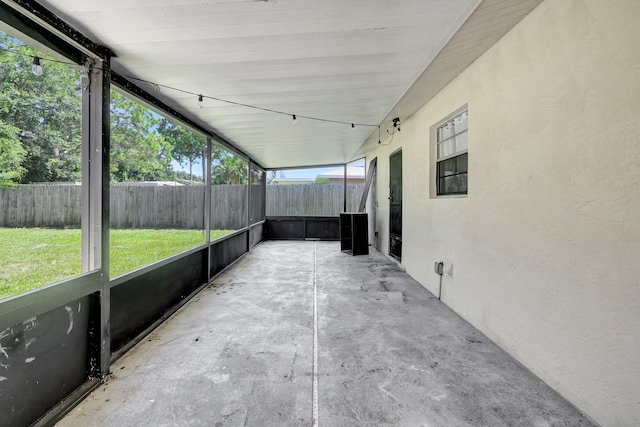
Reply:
x=395 y=205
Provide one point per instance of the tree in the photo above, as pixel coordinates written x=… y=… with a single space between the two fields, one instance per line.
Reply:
x=45 y=113
x=182 y=175
x=12 y=155
x=272 y=175
x=41 y=127
x=187 y=148
x=138 y=152
x=229 y=170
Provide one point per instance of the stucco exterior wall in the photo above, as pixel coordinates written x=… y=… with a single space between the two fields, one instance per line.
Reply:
x=543 y=255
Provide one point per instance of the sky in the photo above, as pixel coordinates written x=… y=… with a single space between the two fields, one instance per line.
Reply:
x=313 y=172
x=310 y=173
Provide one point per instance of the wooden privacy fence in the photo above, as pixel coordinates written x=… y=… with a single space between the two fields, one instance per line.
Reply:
x=181 y=207
x=312 y=200
x=40 y=206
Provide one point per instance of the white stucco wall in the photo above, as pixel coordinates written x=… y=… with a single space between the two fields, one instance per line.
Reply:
x=543 y=255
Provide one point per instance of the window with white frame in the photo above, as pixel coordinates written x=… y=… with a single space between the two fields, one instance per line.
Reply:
x=452 y=155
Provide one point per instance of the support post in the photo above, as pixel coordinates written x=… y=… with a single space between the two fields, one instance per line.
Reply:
x=91 y=182
x=102 y=128
x=263 y=183
x=249 y=180
x=96 y=130
x=345 y=189
x=207 y=206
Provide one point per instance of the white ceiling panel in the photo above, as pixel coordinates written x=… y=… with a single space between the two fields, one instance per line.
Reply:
x=347 y=60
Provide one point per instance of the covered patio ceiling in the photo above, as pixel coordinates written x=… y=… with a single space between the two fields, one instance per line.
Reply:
x=351 y=61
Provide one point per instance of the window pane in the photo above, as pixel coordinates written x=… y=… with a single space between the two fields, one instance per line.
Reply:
x=461 y=122
x=455 y=184
x=456 y=130
x=447 y=148
x=449 y=166
x=306 y=192
x=157 y=187
x=40 y=169
x=229 y=178
x=452 y=175
x=447 y=130
x=257 y=195
x=314 y=191
x=356 y=176
x=462 y=161
x=462 y=141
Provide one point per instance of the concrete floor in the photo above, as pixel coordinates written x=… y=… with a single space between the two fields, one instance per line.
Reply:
x=241 y=353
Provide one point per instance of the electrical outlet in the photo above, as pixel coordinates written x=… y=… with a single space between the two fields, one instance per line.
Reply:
x=438 y=267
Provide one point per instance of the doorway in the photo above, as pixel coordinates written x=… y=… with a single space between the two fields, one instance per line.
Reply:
x=395 y=205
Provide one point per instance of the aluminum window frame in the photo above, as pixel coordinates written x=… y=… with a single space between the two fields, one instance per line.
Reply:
x=440 y=159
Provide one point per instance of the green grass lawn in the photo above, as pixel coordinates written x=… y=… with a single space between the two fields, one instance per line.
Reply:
x=33 y=257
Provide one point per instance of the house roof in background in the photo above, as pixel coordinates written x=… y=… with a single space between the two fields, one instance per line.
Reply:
x=352 y=172
x=293 y=180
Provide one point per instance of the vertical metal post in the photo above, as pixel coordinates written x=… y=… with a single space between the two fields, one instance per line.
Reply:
x=345 y=188
x=263 y=183
x=95 y=205
x=102 y=131
x=91 y=218
x=88 y=196
x=249 y=183
x=207 y=205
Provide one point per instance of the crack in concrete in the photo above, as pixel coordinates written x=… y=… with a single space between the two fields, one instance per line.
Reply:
x=292 y=375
